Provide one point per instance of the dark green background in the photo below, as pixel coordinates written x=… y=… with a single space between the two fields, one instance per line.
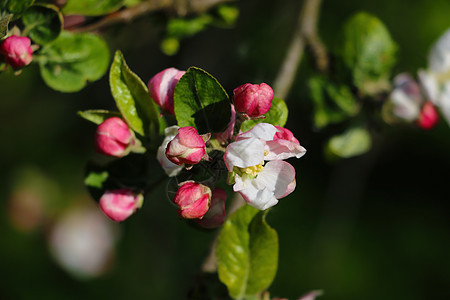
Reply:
x=371 y=227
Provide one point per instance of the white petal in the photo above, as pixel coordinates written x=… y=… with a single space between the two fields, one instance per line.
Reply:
x=264 y=131
x=277 y=177
x=445 y=101
x=171 y=132
x=169 y=167
x=283 y=149
x=244 y=153
x=260 y=199
x=430 y=86
x=404 y=106
x=439 y=57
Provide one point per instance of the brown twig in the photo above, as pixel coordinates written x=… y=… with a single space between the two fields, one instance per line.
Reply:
x=180 y=7
x=305 y=34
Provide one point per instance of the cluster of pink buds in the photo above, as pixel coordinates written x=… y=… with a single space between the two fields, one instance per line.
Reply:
x=16 y=51
x=260 y=183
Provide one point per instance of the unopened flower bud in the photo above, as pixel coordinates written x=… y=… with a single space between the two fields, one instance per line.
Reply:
x=187 y=147
x=253 y=99
x=216 y=213
x=16 y=50
x=193 y=200
x=113 y=137
x=428 y=116
x=162 y=87
x=118 y=205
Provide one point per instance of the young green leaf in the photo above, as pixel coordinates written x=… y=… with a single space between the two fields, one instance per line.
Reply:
x=277 y=115
x=97 y=116
x=17 y=7
x=91 y=7
x=368 y=51
x=247 y=253
x=200 y=101
x=4 y=22
x=72 y=59
x=133 y=99
x=43 y=22
x=354 y=141
x=332 y=103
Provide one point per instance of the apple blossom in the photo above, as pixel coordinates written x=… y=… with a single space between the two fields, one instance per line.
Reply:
x=253 y=99
x=215 y=216
x=193 y=199
x=406 y=98
x=118 y=205
x=187 y=147
x=113 y=137
x=162 y=87
x=261 y=184
x=16 y=50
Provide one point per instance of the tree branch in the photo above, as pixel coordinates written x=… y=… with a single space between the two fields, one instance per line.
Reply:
x=305 y=34
x=180 y=7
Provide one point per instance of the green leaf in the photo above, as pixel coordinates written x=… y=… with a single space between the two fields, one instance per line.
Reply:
x=96 y=179
x=332 y=103
x=91 y=7
x=72 y=59
x=43 y=23
x=277 y=115
x=369 y=52
x=354 y=141
x=181 y=27
x=17 y=7
x=133 y=99
x=4 y=22
x=201 y=102
x=247 y=253
x=97 y=116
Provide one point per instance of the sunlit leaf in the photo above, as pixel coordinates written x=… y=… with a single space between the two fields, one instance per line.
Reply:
x=200 y=101
x=247 y=253
x=71 y=60
x=354 y=141
x=97 y=116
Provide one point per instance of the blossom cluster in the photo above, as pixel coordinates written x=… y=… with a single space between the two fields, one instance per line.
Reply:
x=419 y=101
x=254 y=160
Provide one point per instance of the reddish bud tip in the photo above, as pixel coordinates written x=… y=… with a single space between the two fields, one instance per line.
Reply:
x=16 y=50
x=428 y=117
x=187 y=147
x=253 y=99
x=113 y=137
x=193 y=200
x=162 y=87
x=118 y=205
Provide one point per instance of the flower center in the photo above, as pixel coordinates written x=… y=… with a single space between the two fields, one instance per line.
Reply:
x=253 y=170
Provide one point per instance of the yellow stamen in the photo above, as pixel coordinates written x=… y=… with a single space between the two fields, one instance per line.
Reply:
x=253 y=170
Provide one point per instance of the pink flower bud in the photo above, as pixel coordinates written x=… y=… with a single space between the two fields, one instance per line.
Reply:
x=16 y=50
x=285 y=134
x=428 y=116
x=187 y=147
x=118 y=205
x=113 y=137
x=253 y=99
x=216 y=213
x=193 y=200
x=162 y=87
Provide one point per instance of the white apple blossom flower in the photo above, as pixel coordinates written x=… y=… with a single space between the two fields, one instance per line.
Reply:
x=261 y=184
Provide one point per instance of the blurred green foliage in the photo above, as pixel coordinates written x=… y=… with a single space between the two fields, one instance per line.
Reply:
x=370 y=227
